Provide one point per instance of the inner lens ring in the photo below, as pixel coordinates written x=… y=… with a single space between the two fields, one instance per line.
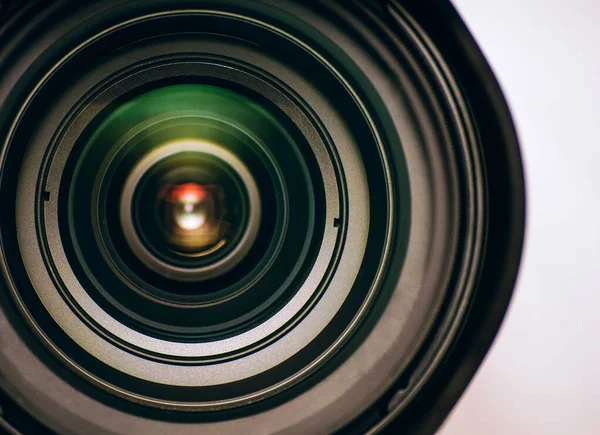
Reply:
x=264 y=165
x=319 y=277
x=198 y=273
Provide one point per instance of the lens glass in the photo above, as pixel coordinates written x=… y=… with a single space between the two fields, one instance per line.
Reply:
x=192 y=210
x=182 y=183
x=188 y=209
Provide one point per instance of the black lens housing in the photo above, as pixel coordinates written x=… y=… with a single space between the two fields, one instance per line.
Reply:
x=349 y=54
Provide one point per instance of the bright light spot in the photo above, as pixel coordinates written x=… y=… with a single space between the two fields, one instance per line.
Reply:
x=191 y=221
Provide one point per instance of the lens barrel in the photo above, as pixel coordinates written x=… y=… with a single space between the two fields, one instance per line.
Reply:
x=249 y=216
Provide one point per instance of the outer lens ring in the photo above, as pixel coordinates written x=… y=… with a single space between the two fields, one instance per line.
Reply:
x=372 y=49
x=222 y=265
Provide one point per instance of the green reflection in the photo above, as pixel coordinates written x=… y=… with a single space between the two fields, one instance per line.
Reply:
x=217 y=113
x=135 y=128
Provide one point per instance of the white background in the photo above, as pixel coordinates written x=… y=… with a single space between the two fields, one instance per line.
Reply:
x=542 y=375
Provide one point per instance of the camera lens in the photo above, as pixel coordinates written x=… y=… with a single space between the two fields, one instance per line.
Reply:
x=190 y=208
x=249 y=216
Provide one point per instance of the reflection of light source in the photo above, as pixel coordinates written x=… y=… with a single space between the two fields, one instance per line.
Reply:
x=189 y=199
x=189 y=203
x=193 y=215
x=191 y=219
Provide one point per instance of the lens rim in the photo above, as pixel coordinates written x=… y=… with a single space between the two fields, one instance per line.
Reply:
x=201 y=147
x=153 y=195
x=517 y=236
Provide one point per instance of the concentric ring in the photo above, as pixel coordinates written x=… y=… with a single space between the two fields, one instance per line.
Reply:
x=190 y=146
x=368 y=172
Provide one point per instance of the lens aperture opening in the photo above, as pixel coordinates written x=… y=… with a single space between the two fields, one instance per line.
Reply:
x=190 y=210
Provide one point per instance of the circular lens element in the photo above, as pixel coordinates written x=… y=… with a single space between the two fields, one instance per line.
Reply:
x=180 y=229
x=190 y=210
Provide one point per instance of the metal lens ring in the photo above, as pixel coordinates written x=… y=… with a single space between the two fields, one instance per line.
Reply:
x=190 y=146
